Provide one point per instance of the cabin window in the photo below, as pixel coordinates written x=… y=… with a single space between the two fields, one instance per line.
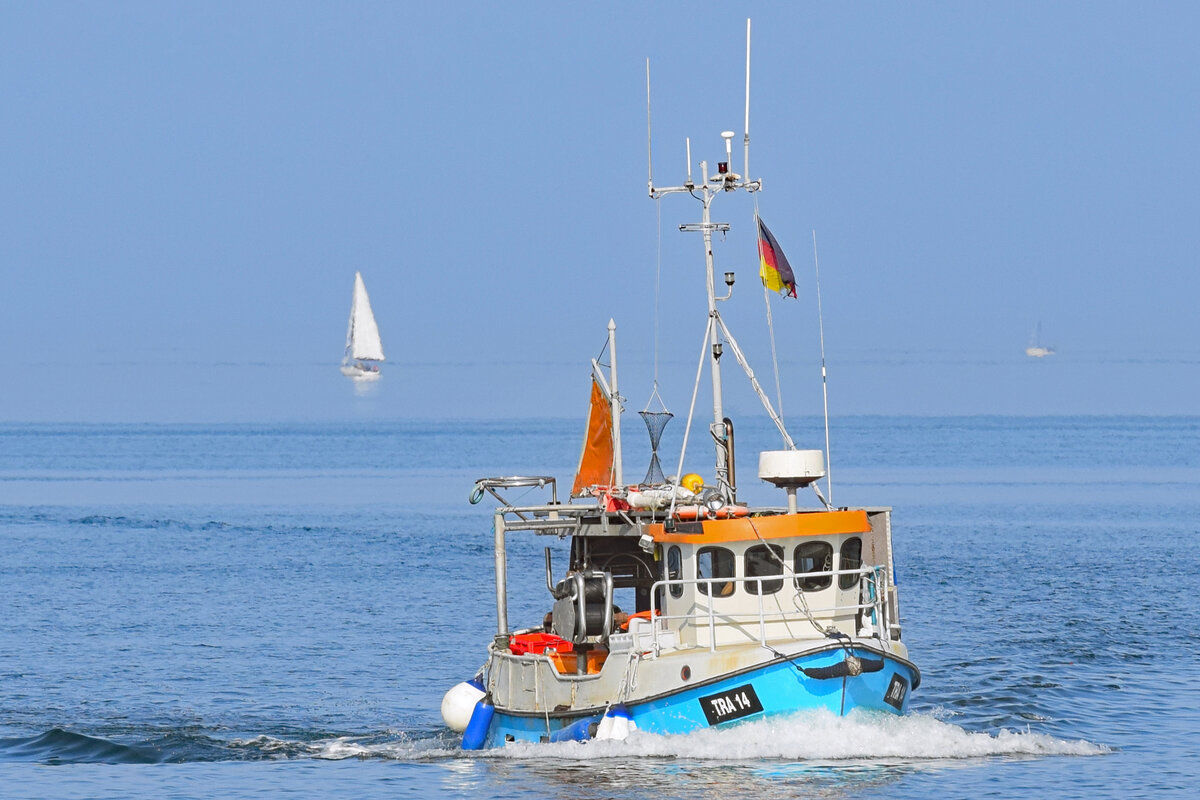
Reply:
x=849 y=558
x=715 y=562
x=814 y=557
x=763 y=560
x=675 y=570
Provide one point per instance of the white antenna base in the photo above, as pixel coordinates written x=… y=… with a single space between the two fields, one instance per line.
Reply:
x=791 y=469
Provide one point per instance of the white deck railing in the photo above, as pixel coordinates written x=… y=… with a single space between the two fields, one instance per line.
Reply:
x=870 y=582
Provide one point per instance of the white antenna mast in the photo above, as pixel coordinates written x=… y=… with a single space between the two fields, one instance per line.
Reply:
x=746 y=140
x=706 y=190
x=649 y=158
x=824 y=381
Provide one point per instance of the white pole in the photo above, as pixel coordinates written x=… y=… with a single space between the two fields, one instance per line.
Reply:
x=746 y=140
x=616 y=404
x=718 y=426
x=824 y=382
x=501 y=575
x=649 y=159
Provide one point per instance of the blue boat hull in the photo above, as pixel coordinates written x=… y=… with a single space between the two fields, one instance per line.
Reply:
x=781 y=686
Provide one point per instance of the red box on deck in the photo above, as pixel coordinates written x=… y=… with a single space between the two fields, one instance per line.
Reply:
x=538 y=643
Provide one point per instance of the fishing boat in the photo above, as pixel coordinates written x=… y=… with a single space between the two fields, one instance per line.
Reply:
x=732 y=612
x=364 y=350
x=1036 y=349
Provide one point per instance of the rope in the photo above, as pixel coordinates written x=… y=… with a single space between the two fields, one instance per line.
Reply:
x=802 y=607
x=854 y=664
x=629 y=680
x=653 y=394
x=657 y=283
x=691 y=410
x=762 y=396
x=603 y=350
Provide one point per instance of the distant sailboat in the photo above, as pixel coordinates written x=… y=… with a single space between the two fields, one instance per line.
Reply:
x=1036 y=349
x=364 y=350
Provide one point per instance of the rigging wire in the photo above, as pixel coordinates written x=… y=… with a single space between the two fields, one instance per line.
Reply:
x=657 y=295
x=691 y=410
x=657 y=285
x=770 y=319
x=824 y=380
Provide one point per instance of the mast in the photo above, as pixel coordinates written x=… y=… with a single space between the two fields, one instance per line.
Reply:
x=706 y=191
x=349 y=356
x=615 y=404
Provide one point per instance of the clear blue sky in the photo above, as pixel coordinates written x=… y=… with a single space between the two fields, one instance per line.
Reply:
x=188 y=189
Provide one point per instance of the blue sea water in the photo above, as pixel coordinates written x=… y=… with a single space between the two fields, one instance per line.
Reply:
x=267 y=611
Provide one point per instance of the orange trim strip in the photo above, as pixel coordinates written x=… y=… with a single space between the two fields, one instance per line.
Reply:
x=807 y=523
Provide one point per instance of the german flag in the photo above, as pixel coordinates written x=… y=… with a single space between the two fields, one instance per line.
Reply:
x=773 y=267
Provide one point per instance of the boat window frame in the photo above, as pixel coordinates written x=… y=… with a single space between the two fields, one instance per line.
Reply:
x=849 y=581
x=721 y=556
x=807 y=582
x=674 y=573
x=768 y=587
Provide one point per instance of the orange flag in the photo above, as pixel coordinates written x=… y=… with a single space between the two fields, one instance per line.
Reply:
x=596 y=460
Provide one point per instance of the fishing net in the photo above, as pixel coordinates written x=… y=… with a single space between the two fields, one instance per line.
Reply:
x=655 y=421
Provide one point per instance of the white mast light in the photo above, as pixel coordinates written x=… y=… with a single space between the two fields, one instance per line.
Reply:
x=723 y=168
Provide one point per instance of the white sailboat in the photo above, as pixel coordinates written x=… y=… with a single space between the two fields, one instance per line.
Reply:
x=364 y=350
x=1036 y=349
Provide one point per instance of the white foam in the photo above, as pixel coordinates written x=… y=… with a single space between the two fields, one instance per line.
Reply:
x=817 y=736
x=402 y=748
x=820 y=736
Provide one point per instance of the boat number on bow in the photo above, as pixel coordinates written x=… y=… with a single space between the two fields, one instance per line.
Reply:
x=735 y=703
x=897 y=691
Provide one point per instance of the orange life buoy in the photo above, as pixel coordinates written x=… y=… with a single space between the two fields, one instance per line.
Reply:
x=639 y=615
x=704 y=512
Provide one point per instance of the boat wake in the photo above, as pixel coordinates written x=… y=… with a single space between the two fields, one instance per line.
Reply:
x=814 y=738
x=821 y=736
x=817 y=736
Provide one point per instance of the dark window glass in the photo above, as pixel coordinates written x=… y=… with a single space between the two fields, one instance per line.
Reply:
x=850 y=558
x=814 y=557
x=715 y=562
x=675 y=570
x=760 y=562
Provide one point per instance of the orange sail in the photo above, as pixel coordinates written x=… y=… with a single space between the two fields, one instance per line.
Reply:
x=596 y=460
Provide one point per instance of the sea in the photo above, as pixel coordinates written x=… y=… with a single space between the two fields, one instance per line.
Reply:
x=268 y=611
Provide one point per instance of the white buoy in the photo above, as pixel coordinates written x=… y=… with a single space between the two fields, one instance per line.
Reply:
x=616 y=725
x=459 y=703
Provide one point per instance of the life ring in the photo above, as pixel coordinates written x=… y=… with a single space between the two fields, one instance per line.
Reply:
x=689 y=513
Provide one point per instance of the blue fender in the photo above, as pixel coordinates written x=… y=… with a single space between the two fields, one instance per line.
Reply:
x=477 y=729
x=577 y=731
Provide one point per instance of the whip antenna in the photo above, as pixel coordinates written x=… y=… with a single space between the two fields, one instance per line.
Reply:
x=746 y=140
x=824 y=382
x=649 y=160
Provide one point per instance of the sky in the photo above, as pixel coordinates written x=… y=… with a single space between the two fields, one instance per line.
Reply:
x=187 y=189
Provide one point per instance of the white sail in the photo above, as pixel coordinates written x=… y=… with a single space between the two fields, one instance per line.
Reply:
x=362 y=335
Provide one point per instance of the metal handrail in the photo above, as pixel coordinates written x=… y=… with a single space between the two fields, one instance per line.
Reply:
x=490 y=485
x=871 y=574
